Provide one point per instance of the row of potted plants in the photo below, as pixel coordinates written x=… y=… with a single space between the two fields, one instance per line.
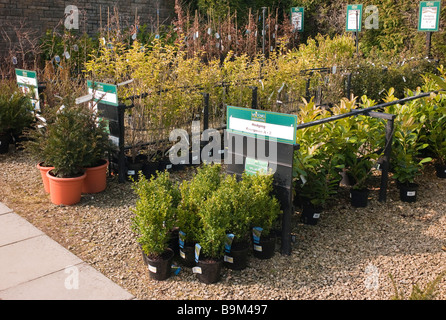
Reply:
x=217 y=218
x=352 y=147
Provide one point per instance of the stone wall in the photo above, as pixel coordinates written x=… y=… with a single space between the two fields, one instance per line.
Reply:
x=37 y=16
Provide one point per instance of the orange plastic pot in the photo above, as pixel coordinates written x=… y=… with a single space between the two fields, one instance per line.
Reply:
x=43 y=171
x=96 y=180
x=67 y=191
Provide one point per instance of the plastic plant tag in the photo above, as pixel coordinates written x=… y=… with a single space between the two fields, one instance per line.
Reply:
x=228 y=242
x=197 y=252
x=196 y=270
x=14 y=60
x=256 y=232
x=57 y=59
x=411 y=193
x=75 y=47
x=181 y=236
x=175 y=269
x=228 y=259
x=67 y=55
x=316 y=216
x=182 y=254
x=257 y=248
x=152 y=269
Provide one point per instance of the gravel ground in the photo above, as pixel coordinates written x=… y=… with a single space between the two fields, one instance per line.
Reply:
x=349 y=254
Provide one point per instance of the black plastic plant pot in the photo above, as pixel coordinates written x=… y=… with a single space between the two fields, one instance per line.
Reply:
x=265 y=247
x=174 y=240
x=160 y=267
x=133 y=169
x=310 y=214
x=5 y=140
x=359 y=198
x=187 y=255
x=149 y=169
x=440 y=170
x=208 y=271
x=408 y=192
x=237 y=257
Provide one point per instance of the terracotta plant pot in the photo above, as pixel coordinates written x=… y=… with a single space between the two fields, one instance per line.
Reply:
x=67 y=191
x=43 y=171
x=96 y=180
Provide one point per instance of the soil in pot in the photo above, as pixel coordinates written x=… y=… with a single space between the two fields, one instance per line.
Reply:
x=310 y=213
x=66 y=191
x=440 y=170
x=160 y=267
x=237 y=257
x=43 y=170
x=359 y=198
x=265 y=247
x=408 y=192
x=208 y=270
x=96 y=180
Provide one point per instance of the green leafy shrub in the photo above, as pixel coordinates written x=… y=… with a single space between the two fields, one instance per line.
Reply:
x=15 y=109
x=194 y=194
x=155 y=212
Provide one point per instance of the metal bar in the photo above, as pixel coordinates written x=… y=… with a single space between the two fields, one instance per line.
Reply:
x=361 y=111
x=206 y=111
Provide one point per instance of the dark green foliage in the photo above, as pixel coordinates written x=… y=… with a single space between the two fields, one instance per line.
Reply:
x=155 y=212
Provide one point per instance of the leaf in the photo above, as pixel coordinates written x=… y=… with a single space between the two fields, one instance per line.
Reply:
x=441 y=83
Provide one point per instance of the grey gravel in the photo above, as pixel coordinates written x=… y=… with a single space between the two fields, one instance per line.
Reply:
x=349 y=254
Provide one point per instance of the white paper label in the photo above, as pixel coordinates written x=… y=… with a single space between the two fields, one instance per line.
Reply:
x=316 y=215
x=411 y=193
x=131 y=172
x=229 y=259
x=257 y=248
x=152 y=269
x=196 y=270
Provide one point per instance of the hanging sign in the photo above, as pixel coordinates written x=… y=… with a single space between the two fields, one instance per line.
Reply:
x=354 y=17
x=264 y=124
x=27 y=82
x=429 y=16
x=103 y=92
x=297 y=18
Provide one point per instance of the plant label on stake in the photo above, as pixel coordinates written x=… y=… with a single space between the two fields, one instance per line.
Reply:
x=297 y=18
x=429 y=16
x=256 y=232
x=27 y=82
x=354 y=17
x=197 y=255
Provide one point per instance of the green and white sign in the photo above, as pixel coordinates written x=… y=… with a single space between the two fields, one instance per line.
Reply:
x=27 y=82
x=354 y=17
x=264 y=124
x=252 y=166
x=429 y=17
x=297 y=18
x=103 y=92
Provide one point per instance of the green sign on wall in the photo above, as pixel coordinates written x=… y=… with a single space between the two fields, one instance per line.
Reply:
x=429 y=16
x=297 y=18
x=354 y=17
x=264 y=124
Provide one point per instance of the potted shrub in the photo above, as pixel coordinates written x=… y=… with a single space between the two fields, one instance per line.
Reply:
x=153 y=221
x=406 y=148
x=15 y=113
x=67 y=147
x=360 y=155
x=215 y=216
x=241 y=210
x=96 y=163
x=265 y=210
x=194 y=193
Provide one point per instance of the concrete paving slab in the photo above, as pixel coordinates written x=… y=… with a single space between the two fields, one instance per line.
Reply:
x=14 y=228
x=32 y=258
x=79 y=282
x=4 y=209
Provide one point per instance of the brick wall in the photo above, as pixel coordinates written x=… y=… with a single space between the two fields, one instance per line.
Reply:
x=41 y=15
